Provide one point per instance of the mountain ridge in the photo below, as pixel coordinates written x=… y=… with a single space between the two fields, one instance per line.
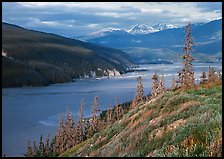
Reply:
x=137 y=29
x=208 y=43
x=52 y=58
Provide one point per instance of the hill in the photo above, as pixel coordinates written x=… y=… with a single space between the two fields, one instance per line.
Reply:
x=167 y=44
x=178 y=123
x=35 y=58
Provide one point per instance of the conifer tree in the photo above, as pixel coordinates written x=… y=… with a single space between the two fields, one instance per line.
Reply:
x=186 y=74
x=47 y=146
x=174 y=83
x=121 y=111
x=139 y=93
x=80 y=123
x=155 y=85
x=203 y=78
x=117 y=113
x=88 y=129
x=68 y=140
x=29 y=152
x=53 y=148
x=133 y=104
x=212 y=77
x=109 y=115
x=95 y=111
x=59 y=143
x=161 y=89
x=34 y=149
x=219 y=75
x=139 y=90
x=41 y=147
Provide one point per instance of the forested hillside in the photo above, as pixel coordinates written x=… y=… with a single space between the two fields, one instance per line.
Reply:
x=31 y=58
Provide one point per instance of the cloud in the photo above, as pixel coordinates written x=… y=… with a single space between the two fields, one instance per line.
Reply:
x=81 y=18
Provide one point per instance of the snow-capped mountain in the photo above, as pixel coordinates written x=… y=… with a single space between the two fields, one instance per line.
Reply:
x=102 y=32
x=163 y=26
x=143 y=29
x=140 y=29
x=107 y=31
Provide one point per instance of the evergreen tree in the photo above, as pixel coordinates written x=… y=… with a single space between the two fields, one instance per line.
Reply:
x=109 y=115
x=174 y=83
x=203 y=78
x=34 y=149
x=41 y=147
x=139 y=90
x=212 y=77
x=219 y=74
x=29 y=152
x=155 y=85
x=139 y=96
x=95 y=111
x=117 y=113
x=161 y=89
x=47 y=146
x=139 y=93
x=53 y=147
x=88 y=129
x=121 y=111
x=80 y=124
x=186 y=74
x=59 y=144
x=133 y=103
x=68 y=131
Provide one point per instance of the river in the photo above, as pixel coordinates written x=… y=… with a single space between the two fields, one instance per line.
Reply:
x=28 y=112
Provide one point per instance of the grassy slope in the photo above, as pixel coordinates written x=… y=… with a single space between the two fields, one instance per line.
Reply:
x=185 y=123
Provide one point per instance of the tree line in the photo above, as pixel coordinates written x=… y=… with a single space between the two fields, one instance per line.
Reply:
x=70 y=133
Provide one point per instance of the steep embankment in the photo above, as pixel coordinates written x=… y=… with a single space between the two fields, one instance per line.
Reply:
x=177 y=123
x=36 y=58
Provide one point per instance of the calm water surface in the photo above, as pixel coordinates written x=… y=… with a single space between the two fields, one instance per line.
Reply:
x=28 y=112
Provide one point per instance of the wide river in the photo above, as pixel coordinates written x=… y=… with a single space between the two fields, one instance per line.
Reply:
x=29 y=112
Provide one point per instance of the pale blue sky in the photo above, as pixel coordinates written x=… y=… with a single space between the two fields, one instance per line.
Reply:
x=73 y=19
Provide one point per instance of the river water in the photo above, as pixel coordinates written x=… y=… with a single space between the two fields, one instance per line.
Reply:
x=28 y=112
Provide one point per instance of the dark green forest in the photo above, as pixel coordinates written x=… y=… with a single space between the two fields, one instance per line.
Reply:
x=35 y=58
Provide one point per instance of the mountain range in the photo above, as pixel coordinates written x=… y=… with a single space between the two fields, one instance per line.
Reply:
x=33 y=58
x=163 y=41
x=137 y=29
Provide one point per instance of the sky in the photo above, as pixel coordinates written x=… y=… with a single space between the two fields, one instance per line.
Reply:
x=73 y=19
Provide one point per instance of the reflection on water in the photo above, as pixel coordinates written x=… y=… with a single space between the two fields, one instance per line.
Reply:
x=28 y=112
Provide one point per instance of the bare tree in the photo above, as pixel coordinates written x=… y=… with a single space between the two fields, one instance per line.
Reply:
x=60 y=134
x=117 y=113
x=34 y=149
x=161 y=88
x=29 y=152
x=155 y=85
x=109 y=115
x=80 y=124
x=174 y=83
x=139 y=91
x=95 y=111
x=186 y=74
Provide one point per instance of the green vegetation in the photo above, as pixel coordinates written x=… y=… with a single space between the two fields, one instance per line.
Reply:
x=188 y=124
x=36 y=58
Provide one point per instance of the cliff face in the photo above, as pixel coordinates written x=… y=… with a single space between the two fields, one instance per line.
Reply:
x=177 y=123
